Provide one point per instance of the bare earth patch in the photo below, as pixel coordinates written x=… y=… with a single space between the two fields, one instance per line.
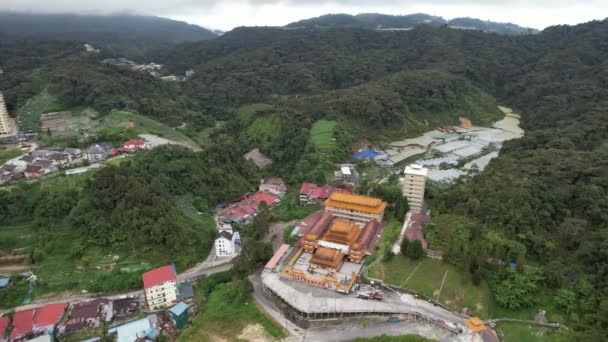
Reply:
x=9 y=269
x=255 y=333
x=216 y=338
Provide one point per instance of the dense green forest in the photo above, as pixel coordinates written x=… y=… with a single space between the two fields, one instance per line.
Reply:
x=542 y=204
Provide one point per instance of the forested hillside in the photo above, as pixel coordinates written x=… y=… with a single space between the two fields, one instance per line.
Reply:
x=542 y=204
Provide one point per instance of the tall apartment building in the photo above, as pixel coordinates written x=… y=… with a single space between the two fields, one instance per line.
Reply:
x=5 y=127
x=413 y=186
x=160 y=287
x=355 y=208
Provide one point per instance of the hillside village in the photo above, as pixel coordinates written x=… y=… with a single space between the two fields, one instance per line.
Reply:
x=330 y=252
x=342 y=178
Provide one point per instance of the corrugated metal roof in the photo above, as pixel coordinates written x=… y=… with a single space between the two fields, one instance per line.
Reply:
x=276 y=257
x=179 y=308
x=4 y=281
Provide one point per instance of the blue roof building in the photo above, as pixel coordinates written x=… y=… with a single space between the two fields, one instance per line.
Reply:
x=366 y=154
x=4 y=282
x=179 y=313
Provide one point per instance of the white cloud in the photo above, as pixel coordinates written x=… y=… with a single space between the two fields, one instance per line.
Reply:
x=227 y=14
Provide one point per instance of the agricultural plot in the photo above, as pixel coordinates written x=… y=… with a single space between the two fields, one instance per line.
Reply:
x=444 y=282
x=322 y=134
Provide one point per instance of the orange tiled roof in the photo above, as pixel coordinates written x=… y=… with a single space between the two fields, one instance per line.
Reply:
x=327 y=257
x=475 y=324
x=356 y=202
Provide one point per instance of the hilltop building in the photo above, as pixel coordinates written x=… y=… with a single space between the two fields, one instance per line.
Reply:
x=160 y=287
x=413 y=186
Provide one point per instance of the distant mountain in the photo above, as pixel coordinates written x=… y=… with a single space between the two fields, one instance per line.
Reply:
x=125 y=35
x=404 y=22
x=83 y=27
x=490 y=26
x=369 y=20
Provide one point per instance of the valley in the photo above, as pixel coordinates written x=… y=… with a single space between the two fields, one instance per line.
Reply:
x=485 y=148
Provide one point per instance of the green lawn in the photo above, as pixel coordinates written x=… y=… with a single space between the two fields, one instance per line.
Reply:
x=29 y=114
x=322 y=134
x=246 y=112
x=426 y=276
x=517 y=332
x=227 y=312
x=7 y=154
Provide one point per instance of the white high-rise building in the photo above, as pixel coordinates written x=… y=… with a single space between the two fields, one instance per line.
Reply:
x=413 y=186
x=5 y=127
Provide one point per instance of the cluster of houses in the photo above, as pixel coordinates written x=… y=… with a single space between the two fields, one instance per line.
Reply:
x=153 y=69
x=48 y=160
x=40 y=162
x=164 y=297
x=270 y=192
x=228 y=242
x=311 y=193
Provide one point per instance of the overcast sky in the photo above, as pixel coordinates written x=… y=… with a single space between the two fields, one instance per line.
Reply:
x=227 y=14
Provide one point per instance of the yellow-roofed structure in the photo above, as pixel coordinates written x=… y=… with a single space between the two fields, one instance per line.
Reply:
x=475 y=324
x=356 y=208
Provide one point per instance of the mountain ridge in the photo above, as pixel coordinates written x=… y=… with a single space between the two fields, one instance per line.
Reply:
x=386 y=22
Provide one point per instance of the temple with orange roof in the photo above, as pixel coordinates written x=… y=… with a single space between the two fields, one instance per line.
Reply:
x=334 y=242
x=356 y=208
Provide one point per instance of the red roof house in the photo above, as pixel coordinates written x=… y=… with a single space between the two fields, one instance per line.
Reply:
x=3 y=326
x=134 y=144
x=23 y=323
x=260 y=197
x=158 y=276
x=320 y=194
x=307 y=188
x=48 y=316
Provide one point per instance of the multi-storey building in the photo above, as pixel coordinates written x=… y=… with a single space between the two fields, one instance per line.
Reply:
x=160 y=287
x=5 y=127
x=356 y=208
x=413 y=187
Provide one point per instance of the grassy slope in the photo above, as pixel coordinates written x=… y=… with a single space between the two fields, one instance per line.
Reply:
x=29 y=114
x=8 y=154
x=224 y=318
x=265 y=128
x=142 y=125
x=245 y=113
x=458 y=290
x=322 y=134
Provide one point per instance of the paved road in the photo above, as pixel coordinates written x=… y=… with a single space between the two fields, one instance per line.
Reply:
x=271 y=309
x=277 y=232
x=192 y=273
